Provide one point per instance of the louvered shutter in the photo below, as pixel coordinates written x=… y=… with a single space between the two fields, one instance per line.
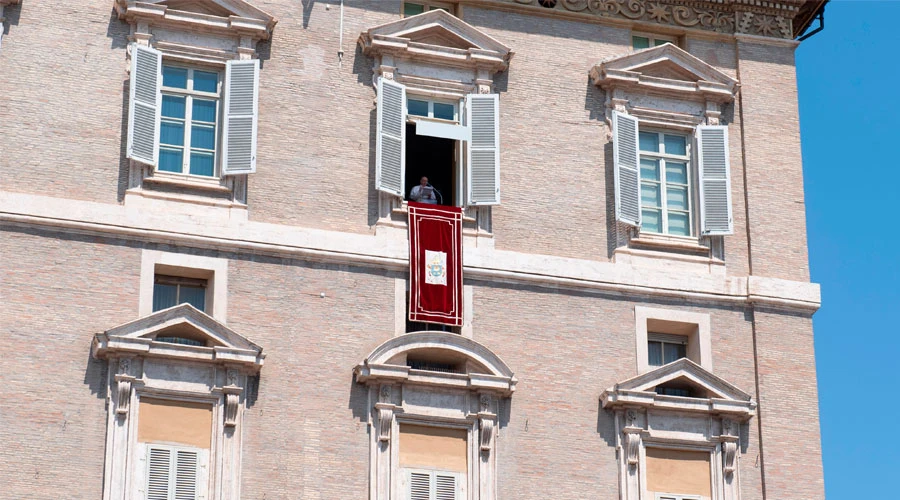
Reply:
x=419 y=485
x=483 y=161
x=144 y=105
x=159 y=468
x=445 y=486
x=627 y=169
x=187 y=470
x=715 y=180
x=390 y=147
x=241 y=117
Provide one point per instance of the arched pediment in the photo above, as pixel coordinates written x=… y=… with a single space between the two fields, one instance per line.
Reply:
x=438 y=358
x=437 y=36
x=181 y=332
x=665 y=69
x=709 y=393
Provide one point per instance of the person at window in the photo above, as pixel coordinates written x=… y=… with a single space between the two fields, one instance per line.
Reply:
x=423 y=193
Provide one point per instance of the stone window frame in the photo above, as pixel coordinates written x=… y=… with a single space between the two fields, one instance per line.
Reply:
x=434 y=71
x=699 y=347
x=197 y=41
x=471 y=401
x=715 y=421
x=138 y=365
x=662 y=104
x=213 y=269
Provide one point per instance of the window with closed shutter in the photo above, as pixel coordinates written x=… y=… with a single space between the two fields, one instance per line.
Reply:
x=421 y=484
x=175 y=473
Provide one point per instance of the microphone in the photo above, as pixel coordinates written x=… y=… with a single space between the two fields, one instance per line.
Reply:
x=436 y=191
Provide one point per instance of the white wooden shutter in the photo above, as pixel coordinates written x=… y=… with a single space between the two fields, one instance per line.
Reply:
x=241 y=117
x=159 y=471
x=419 y=485
x=483 y=156
x=445 y=486
x=715 y=180
x=627 y=169
x=144 y=105
x=390 y=147
x=187 y=471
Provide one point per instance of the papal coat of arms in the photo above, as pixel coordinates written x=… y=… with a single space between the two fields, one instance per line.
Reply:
x=435 y=268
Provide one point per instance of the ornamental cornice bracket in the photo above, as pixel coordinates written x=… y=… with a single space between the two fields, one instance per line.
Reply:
x=232 y=392
x=632 y=445
x=124 y=382
x=487 y=419
x=385 y=409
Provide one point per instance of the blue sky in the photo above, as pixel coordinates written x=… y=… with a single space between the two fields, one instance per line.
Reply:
x=849 y=108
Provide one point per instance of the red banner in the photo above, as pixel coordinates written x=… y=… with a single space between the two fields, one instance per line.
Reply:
x=435 y=264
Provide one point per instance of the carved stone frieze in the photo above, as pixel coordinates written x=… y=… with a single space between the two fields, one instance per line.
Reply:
x=760 y=18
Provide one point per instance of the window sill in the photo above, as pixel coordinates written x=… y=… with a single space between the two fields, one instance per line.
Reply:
x=190 y=181
x=666 y=241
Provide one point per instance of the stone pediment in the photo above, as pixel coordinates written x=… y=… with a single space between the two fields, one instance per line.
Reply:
x=709 y=393
x=435 y=35
x=180 y=332
x=213 y=15
x=665 y=69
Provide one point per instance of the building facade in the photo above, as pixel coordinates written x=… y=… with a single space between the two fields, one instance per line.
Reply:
x=205 y=262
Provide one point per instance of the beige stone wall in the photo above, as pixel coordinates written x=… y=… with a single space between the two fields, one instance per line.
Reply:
x=305 y=427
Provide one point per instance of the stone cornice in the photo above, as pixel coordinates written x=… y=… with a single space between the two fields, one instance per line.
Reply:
x=258 y=27
x=756 y=17
x=376 y=251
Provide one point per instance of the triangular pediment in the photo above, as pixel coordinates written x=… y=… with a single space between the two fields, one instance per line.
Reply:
x=665 y=68
x=684 y=373
x=183 y=326
x=219 y=8
x=437 y=28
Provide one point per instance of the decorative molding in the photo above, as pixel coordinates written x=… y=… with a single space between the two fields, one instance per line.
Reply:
x=758 y=17
x=632 y=446
x=242 y=18
x=487 y=431
x=729 y=456
x=124 y=381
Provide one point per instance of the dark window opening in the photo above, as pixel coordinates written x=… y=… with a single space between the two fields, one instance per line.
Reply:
x=674 y=391
x=181 y=341
x=169 y=291
x=435 y=158
x=421 y=364
x=418 y=326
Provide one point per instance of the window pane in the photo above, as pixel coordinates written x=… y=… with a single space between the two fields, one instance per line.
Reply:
x=676 y=172
x=170 y=160
x=650 y=195
x=676 y=198
x=193 y=295
x=659 y=42
x=173 y=106
x=204 y=111
x=649 y=141
x=650 y=221
x=175 y=77
x=205 y=81
x=411 y=9
x=203 y=137
x=649 y=169
x=202 y=164
x=675 y=144
x=679 y=224
x=640 y=42
x=163 y=295
x=654 y=353
x=443 y=111
x=171 y=133
x=672 y=352
x=416 y=107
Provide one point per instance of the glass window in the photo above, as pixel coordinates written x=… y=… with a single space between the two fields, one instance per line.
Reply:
x=417 y=107
x=412 y=9
x=665 y=183
x=660 y=352
x=431 y=109
x=640 y=42
x=169 y=291
x=416 y=8
x=189 y=121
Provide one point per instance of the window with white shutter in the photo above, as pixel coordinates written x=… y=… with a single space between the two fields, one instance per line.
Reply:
x=421 y=484
x=625 y=160
x=390 y=149
x=175 y=473
x=241 y=117
x=715 y=180
x=144 y=105
x=483 y=115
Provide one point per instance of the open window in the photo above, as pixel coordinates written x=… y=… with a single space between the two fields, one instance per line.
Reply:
x=671 y=161
x=443 y=125
x=434 y=420
x=678 y=433
x=193 y=98
x=663 y=336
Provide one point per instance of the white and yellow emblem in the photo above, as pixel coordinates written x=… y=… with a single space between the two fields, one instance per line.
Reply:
x=435 y=268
